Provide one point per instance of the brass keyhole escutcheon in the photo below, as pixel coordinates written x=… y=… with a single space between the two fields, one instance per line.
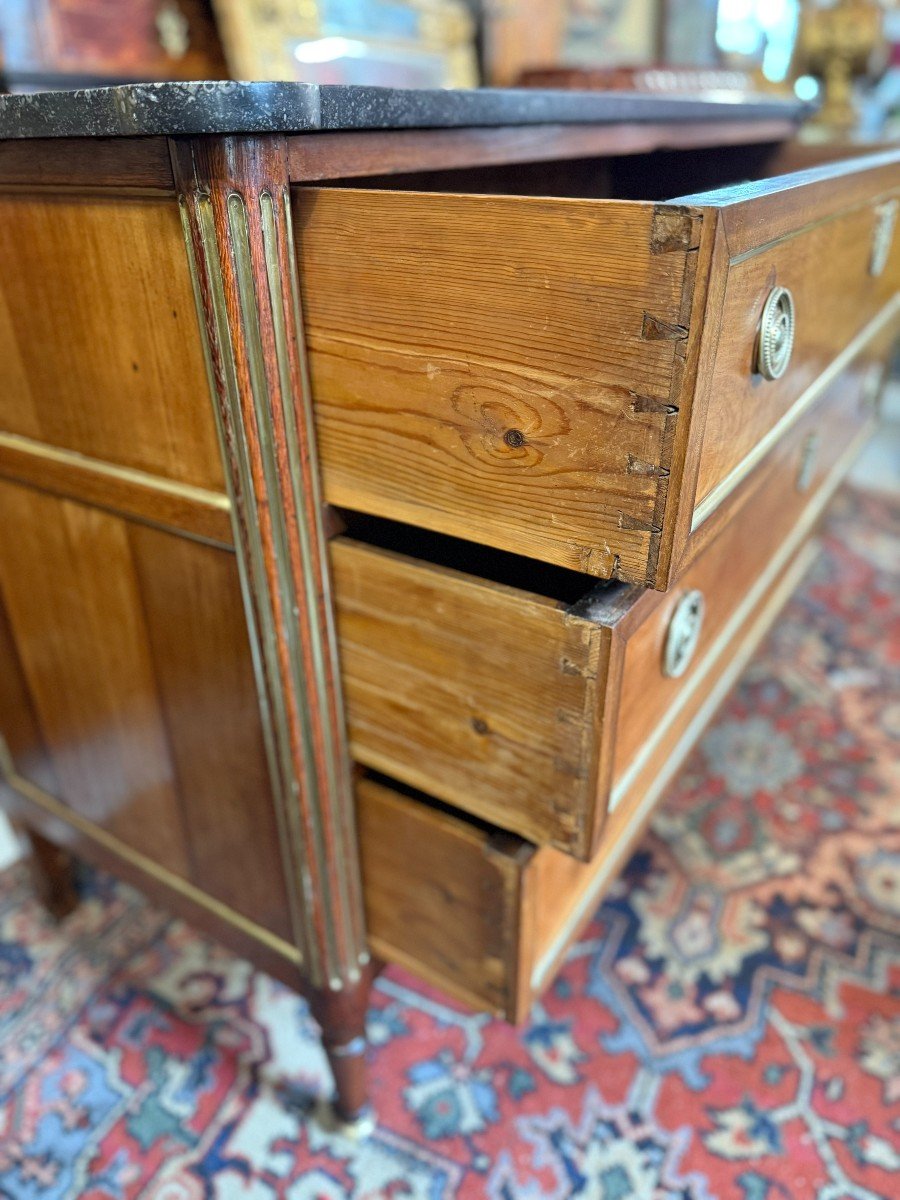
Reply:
x=776 y=334
x=683 y=634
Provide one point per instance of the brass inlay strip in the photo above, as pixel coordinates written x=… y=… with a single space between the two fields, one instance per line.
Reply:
x=713 y=499
x=131 y=476
x=89 y=829
x=869 y=203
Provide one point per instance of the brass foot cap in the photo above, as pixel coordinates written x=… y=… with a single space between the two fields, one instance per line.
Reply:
x=356 y=1128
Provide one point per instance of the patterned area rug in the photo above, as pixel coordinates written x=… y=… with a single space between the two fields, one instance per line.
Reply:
x=728 y=1026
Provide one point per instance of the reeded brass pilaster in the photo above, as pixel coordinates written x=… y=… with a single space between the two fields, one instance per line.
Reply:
x=235 y=205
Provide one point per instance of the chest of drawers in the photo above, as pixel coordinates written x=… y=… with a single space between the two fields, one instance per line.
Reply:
x=392 y=647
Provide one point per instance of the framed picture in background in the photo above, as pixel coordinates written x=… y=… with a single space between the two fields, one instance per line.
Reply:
x=519 y=34
x=52 y=44
x=399 y=43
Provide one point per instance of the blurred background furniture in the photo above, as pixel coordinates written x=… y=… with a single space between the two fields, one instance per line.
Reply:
x=49 y=44
x=612 y=44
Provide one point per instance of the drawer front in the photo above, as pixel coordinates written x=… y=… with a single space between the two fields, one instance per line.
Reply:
x=538 y=718
x=839 y=307
x=560 y=894
x=732 y=568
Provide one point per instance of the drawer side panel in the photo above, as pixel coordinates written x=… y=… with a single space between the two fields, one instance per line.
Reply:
x=487 y=698
x=442 y=896
x=499 y=368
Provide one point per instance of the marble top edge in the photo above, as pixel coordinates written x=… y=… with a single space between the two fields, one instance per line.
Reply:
x=184 y=109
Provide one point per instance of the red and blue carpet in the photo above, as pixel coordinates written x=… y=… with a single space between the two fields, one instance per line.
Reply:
x=728 y=1026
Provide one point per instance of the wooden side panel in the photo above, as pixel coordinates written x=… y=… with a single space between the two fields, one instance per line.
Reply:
x=99 y=343
x=18 y=723
x=198 y=638
x=73 y=601
x=267 y=954
x=826 y=268
x=485 y=697
x=499 y=368
x=442 y=896
x=125 y=654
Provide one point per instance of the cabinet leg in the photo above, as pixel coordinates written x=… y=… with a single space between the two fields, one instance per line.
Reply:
x=341 y=1016
x=53 y=873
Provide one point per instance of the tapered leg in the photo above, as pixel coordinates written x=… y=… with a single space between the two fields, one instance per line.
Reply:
x=341 y=1016
x=53 y=873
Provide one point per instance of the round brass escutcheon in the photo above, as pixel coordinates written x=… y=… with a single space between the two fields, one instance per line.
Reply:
x=776 y=334
x=683 y=634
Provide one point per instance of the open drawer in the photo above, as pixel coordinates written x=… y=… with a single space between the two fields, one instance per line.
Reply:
x=558 y=377
x=539 y=713
x=489 y=916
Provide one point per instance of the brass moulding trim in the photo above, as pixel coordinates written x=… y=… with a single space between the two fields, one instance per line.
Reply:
x=60 y=811
x=107 y=470
x=714 y=498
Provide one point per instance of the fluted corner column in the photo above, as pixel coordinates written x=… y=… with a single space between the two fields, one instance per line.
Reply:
x=235 y=204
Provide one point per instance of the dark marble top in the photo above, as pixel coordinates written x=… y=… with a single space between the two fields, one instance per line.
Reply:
x=194 y=108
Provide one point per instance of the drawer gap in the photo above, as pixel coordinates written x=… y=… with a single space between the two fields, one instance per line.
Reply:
x=655 y=175
x=497 y=566
x=500 y=839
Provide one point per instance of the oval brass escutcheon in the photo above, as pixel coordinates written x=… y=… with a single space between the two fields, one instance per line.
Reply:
x=776 y=334
x=683 y=634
